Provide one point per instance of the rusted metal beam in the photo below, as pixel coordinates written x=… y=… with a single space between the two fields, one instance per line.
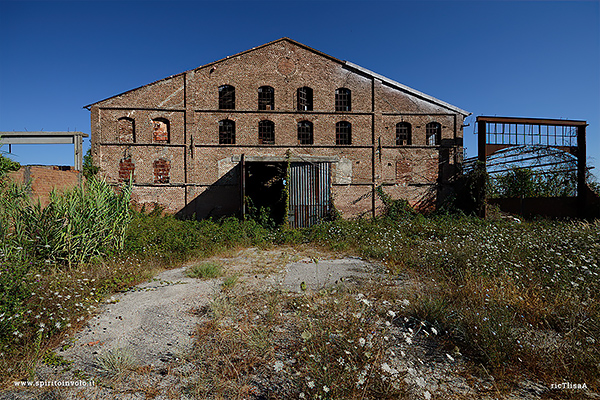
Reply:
x=532 y=121
x=581 y=169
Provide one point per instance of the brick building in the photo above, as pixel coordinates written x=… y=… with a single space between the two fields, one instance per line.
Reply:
x=282 y=126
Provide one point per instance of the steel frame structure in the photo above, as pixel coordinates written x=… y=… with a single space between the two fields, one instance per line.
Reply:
x=499 y=133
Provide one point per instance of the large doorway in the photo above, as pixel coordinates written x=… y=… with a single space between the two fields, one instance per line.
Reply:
x=269 y=190
x=265 y=197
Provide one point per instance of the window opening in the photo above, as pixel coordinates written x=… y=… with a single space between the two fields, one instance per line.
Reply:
x=305 y=99
x=433 y=131
x=266 y=98
x=305 y=132
x=126 y=170
x=343 y=133
x=162 y=168
x=161 y=130
x=126 y=130
x=342 y=99
x=266 y=132
x=226 y=97
x=226 y=132
x=403 y=134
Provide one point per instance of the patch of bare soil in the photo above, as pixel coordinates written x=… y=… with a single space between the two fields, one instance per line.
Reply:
x=140 y=345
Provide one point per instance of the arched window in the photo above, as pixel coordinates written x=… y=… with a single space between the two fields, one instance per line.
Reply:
x=162 y=168
x=266 y=98
x=161 y=130
x=305 y=132
x=343 y=133
x=126 y=130
x=433 y=132
x=266 y=132
x=226 y=97
x=343 y=100
x=126 y=170
x=226 y=131
x=403 y=134
x=304 y=97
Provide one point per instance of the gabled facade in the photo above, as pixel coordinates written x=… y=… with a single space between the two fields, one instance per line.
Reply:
x=278 y=121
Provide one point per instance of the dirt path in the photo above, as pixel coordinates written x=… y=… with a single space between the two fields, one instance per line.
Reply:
x=154 y=325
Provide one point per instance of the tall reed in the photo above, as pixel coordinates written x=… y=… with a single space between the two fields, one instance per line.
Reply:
x=74 y=227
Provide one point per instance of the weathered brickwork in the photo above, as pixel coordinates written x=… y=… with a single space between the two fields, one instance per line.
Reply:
x=43 y=179
x=184 y=144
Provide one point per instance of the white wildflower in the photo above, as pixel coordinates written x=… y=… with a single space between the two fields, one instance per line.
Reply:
x=278 y=366
x=390 y=370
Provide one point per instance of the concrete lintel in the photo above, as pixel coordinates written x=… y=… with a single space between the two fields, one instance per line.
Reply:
x=293 y=158
x=37 y=140
x=34 y=134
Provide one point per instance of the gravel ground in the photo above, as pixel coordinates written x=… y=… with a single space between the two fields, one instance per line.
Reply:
x=154 y=324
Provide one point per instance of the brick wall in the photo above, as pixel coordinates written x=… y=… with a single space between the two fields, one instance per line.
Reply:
x=199 y=168
x=45 y=178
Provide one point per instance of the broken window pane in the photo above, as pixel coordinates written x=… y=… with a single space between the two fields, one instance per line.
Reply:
x=226 y=97
x=305 y=99
x=433 y=131
x=226 y=132
x=403 y=134
x=266 y=98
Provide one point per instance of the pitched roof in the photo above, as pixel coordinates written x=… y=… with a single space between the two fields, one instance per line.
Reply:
x=348 y=64
x=406 y=89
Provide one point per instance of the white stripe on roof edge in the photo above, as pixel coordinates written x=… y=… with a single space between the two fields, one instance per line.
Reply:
x=406 y=88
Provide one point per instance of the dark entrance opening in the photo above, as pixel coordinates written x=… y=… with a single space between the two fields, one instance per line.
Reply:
x=264 y=190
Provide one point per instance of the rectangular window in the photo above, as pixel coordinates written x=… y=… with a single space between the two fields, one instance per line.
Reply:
x=226 y=132
x=305 y=132
x=343 y=99
x=305 y=99
x=266 y=98
x=343 y=133
x=266 y=132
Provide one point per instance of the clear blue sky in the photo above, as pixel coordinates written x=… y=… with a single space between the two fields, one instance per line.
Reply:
x=506 y=58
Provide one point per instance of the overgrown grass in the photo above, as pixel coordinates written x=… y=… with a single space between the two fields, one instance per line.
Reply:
x=206 y=270
x=330 y=345
x=49 y=285
x=515 y=298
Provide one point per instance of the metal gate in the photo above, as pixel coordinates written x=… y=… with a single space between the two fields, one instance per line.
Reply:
x=309 y=193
